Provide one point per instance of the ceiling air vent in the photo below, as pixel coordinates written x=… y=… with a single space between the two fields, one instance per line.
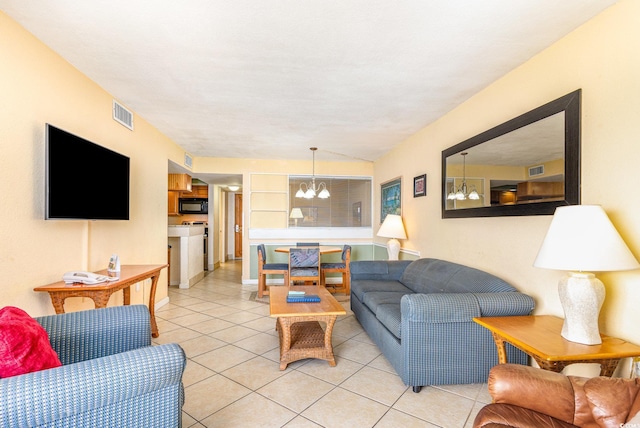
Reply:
x=188 y=160
x=122 y=115
x=536 y=170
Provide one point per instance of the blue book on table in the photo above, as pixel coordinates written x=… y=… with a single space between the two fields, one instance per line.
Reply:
x=309 y=298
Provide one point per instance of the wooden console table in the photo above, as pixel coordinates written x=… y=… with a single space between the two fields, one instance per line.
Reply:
x=100 y=293
x=539 y=336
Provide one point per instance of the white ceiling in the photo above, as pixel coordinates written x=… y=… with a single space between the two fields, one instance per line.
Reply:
x=269 y=79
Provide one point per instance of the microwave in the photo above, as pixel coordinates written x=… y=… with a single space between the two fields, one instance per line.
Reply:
x=193 y=206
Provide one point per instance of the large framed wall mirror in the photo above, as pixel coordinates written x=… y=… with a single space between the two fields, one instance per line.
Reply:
x=527 y=166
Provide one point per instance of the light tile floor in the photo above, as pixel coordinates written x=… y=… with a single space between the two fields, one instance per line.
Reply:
x=232 y=378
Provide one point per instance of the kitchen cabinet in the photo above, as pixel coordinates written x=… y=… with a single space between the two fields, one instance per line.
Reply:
x=197 y=191
x=180 y=182
x=528 y=190
x=200 y=191
x=173 y=205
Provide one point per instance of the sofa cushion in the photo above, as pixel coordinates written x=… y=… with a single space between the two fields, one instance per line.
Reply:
x=373 y=299
x=362 y=286
x=439 y=276
x=24 y=344
x=390 y=316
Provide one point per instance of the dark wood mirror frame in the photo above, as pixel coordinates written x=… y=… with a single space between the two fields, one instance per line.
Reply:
x=570 y=105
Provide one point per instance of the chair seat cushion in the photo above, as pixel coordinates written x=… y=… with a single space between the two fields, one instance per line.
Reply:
x=275 y=266
x=333 y=266
x=24 y=344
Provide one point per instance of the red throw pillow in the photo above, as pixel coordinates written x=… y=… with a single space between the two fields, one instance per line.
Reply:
x=24 y=344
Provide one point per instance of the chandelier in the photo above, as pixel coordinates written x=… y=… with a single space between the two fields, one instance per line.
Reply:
x=310 y=191
x=462 y=192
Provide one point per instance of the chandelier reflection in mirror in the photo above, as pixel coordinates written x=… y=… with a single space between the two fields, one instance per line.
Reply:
x=310 y=191
x=462 y=192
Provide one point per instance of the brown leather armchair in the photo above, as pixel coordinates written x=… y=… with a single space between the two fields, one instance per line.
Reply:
x=528 y=397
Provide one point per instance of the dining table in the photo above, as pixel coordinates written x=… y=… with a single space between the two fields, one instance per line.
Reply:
x=324 y=249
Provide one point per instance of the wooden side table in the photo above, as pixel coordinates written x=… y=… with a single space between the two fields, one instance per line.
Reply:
x=539 y=336
x=100 y=293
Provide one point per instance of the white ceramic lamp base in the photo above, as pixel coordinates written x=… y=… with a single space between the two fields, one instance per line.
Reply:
x=581 y=295
x=393 y=248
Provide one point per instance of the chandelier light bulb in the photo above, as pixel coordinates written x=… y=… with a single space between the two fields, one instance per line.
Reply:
x=310 y=191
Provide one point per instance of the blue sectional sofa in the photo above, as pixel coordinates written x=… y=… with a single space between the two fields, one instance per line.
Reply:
x=420 y=312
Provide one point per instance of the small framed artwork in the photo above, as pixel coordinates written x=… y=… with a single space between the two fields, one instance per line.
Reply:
x=420 y=185
x=391 y=198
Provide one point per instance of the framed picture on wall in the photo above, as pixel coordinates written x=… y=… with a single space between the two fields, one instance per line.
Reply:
x=420 y=185
x=391 y=198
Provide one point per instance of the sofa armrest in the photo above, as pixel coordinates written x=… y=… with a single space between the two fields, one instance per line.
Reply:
x=378 y=269
x=85 y=335
x=142 y=387
x=462 y=307
x=539 y=390
x=438 y=307
x=504 y=304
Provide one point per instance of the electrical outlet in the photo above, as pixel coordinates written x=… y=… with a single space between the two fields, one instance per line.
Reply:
x=138 y=287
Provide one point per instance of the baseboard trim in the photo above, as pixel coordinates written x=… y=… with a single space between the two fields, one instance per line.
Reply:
x=161 y=303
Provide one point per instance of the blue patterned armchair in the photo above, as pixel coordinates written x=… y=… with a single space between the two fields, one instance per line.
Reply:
x=110 y=376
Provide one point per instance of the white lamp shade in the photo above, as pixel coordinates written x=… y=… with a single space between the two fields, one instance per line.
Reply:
x=582 y=238
x=296 y=213
x=392 y=227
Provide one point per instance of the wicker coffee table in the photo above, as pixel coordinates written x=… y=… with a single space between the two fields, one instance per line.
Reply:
x=299 y=324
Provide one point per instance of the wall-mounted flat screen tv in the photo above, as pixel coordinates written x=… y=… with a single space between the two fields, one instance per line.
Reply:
x=84 y=180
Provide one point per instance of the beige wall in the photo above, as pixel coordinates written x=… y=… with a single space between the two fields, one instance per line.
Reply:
x=37 y=87
x=601 y=57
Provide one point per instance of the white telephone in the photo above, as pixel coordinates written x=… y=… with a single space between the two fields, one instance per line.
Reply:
x=84 y=277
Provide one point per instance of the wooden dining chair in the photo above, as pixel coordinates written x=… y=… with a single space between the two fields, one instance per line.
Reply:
x=340 y=267
x=265 y=269
x=304 y=264
x=307 y=244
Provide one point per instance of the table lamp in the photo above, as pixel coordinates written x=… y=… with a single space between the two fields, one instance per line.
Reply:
x=296 y=213
x=393 y=228
x=581 y=239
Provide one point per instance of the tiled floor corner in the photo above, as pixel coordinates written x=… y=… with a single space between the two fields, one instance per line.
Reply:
x=233 y=379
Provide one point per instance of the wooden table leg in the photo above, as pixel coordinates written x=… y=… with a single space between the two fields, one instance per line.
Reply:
x=607 y=367
x=126 y=295
x=152 y=305
x=330 y=321
x=502 y=351
x=58 y=302
x=284 y=333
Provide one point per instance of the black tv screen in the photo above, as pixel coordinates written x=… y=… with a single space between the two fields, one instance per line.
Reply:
x=84 y=180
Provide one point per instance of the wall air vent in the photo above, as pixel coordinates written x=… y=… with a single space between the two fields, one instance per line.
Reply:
x=536 y=170
x=122 y=115
x=188 y=160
